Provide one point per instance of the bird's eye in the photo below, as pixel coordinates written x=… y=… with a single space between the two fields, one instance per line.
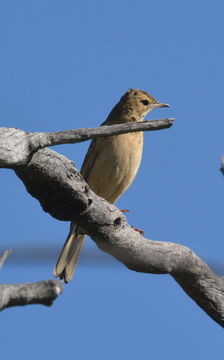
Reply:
x=145 y=102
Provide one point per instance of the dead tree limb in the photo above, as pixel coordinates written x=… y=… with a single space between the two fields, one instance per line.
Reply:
x=62 y=192
x=17 y=145
x=41 y=292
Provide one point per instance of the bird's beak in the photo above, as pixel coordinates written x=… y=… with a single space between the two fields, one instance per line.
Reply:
x=159 y=105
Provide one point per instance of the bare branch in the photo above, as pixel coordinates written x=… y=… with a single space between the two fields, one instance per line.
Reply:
x=61 y=190
x=17 y=145
x=4 y=256
x=42 y=292
x=79 y=135
x=63 y=193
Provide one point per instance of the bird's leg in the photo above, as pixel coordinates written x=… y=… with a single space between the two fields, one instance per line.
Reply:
x=136 y=229
x=141 y=232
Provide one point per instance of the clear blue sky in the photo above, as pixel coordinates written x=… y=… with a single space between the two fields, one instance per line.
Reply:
x=63 y=65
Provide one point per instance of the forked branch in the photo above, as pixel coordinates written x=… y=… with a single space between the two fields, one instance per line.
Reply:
x=62 y=192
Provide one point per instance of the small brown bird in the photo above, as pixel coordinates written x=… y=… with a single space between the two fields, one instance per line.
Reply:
x=110 y=167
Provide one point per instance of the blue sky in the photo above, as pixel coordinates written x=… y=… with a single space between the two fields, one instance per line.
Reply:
x=64 y=65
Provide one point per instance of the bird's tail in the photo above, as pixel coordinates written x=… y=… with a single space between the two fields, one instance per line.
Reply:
x=68 y=258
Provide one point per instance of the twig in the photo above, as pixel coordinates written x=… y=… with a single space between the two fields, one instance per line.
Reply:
x=79 y=135
x=17 y=145
x=4 y=256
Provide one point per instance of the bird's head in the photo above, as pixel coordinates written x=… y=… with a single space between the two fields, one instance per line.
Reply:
x=140 y=103
x=133 y=106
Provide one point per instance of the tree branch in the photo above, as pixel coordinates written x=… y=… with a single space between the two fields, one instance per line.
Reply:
x=17 y=145
x=61 y=190
x=79 y=135
x=4 y=256
x=41 y=292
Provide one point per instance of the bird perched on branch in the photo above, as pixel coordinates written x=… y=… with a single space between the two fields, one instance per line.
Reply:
x=110 y=167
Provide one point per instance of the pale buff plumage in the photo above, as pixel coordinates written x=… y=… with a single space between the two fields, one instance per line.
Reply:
x=110 y=167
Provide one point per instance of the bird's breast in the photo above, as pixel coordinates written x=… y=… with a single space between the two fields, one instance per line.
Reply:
x=116 y=164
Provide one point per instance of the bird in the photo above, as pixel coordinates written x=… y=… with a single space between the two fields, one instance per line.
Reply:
x=109 y=167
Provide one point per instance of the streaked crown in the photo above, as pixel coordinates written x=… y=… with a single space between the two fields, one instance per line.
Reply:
x=133 y=106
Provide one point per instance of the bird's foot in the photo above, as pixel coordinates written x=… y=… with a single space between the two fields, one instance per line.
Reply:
x=138 y=230
x=125 y=211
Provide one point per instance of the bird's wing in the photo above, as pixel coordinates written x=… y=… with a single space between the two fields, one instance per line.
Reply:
x=91 y=156
x=90 y=159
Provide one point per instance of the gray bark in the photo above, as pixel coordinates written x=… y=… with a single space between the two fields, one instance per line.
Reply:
x=62 y=192
x=41 y=292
